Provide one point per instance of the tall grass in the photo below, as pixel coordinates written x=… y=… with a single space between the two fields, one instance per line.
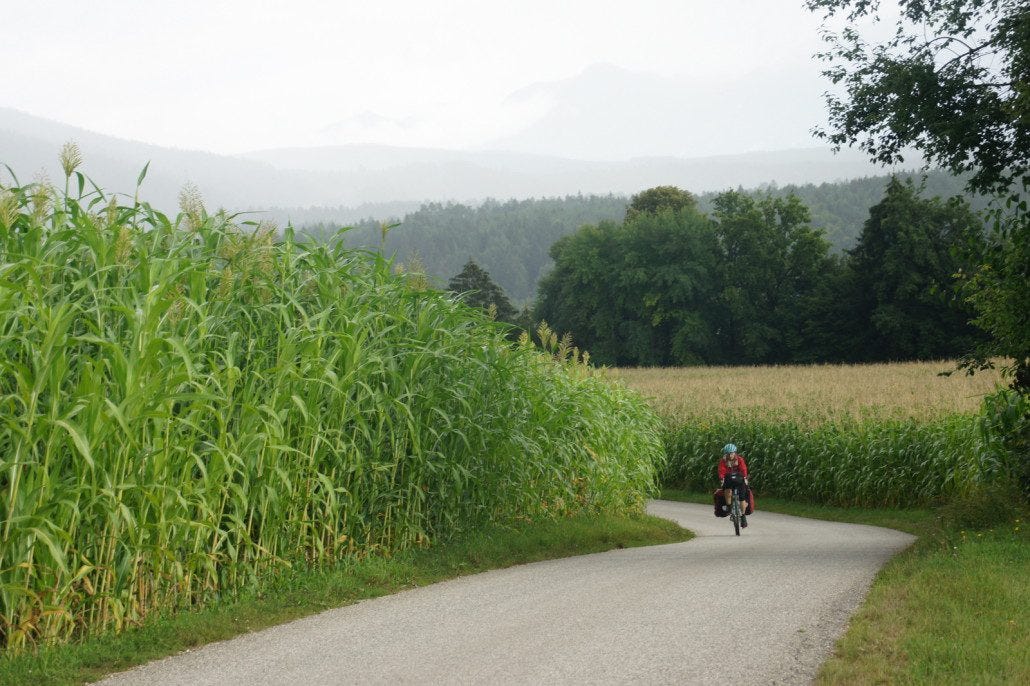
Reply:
x=191 y=403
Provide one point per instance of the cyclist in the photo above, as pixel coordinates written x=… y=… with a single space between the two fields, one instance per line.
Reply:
x=733 y=475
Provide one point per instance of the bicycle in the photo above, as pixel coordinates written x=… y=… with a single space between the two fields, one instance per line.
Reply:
x=737 y=511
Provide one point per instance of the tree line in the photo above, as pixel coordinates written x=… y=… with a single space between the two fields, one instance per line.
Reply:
x=754 y=283
x=511 y=239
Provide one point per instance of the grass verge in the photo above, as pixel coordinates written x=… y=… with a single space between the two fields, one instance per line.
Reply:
x=952 y=609
x=304 y=593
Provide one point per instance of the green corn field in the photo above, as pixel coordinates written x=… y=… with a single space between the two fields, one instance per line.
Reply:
x=191 y=403
x=870 y=435
x=872 y=463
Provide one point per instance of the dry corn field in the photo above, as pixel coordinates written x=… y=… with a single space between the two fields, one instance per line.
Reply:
x=885 y=434
x=908 y=390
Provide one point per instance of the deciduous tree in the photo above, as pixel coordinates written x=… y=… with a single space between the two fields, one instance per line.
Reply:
x=953 y=81
x=772 y=260
x=654 y=200
x=638 y=293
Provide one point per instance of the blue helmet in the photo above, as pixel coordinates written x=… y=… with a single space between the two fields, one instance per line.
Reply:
x=729 y=448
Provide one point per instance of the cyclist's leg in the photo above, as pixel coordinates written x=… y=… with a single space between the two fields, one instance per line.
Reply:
x=743 y=495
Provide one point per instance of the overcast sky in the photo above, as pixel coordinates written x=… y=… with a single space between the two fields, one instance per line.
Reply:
x=251 y=74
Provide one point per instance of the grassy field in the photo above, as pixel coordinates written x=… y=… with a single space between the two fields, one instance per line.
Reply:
x=953 y=609
x=303 y=592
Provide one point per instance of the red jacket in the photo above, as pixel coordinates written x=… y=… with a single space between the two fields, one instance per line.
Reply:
x=725 y=469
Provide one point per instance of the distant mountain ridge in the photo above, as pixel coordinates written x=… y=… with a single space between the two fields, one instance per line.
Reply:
x=352 y=176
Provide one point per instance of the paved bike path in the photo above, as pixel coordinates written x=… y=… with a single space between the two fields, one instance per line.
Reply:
x=762 y=608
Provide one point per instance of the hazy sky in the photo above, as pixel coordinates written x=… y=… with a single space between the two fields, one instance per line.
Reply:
x=249 y=74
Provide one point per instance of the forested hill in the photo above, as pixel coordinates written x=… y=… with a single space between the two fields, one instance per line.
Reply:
x=511 y=240
x=840 y=208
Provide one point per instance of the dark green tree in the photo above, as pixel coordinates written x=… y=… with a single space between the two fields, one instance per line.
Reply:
x=668 y=281
x=476 y=287
x=524 y=321
x=953 y=81
x=772 y=261
x=830 y=329
x=654 y=200
x=902 y=274
x=578 y=294
x=639 y=293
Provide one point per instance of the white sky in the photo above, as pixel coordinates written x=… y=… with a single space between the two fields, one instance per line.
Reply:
x=242 y=75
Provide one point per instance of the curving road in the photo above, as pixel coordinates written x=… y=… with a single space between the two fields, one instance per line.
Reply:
x=764 y=608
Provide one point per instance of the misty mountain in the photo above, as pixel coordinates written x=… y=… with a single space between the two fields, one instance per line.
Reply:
x=30 y=145
x=468 y=176
x=609 y=112
x=363 y=181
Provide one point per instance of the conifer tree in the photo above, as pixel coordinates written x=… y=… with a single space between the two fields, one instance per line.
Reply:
x=476 y=287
